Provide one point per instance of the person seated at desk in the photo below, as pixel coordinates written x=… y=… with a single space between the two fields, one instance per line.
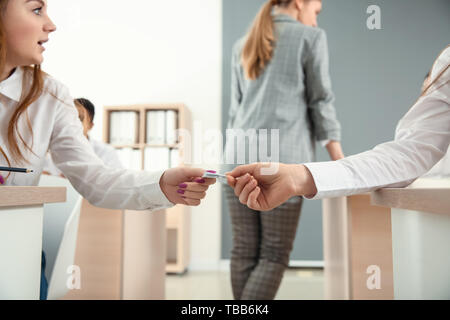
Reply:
x=422 y=139
x=103 y=150
x=86 y=114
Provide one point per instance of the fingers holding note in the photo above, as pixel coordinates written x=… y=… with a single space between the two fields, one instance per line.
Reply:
x=185 y=185
x=261 y=191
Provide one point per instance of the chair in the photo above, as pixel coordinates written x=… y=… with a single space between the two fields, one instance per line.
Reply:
x=60 y=237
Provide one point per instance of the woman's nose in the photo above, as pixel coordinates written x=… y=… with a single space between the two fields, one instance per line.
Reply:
x=50 y=26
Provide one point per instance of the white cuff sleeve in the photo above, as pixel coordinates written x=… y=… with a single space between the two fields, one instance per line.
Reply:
x=152 y=192
x=332 y=179
x=324 y=143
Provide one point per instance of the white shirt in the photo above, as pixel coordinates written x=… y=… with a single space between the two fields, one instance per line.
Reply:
x=56 y=128
x=107 y=153
x=104 y=151
x=441 y=169
x=422 y=139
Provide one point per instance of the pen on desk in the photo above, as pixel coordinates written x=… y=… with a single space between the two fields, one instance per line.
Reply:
x=10 y=169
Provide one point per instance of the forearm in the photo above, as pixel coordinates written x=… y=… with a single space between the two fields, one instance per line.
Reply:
x=334 y=149
x=392 y=164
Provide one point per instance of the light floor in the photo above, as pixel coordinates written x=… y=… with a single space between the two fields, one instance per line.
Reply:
x=297 y=284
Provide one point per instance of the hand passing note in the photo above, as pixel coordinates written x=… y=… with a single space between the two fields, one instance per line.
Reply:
x=264 y=192
x=184 y=185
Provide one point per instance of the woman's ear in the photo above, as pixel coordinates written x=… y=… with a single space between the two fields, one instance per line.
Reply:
x=299 y=4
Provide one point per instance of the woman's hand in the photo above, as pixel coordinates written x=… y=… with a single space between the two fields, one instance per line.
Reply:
x=264 y=192
x=185 y=185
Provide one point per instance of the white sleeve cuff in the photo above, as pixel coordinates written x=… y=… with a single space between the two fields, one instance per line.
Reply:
x=324 y=143
x=156 y=199
x=332 y=179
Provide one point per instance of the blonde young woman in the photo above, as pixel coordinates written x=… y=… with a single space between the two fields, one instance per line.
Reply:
x=280 y=80
x=37 y=114
x=422 y=138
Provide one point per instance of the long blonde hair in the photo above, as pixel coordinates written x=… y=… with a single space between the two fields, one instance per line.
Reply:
x=32 y=93
x=260 y=43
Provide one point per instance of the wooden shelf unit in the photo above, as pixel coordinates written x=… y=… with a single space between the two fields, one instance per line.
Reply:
x=178 y=218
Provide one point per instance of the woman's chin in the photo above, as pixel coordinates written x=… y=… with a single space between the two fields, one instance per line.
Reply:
x=37 y=60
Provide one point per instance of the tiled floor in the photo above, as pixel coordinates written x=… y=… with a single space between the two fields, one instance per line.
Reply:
x=297 y=284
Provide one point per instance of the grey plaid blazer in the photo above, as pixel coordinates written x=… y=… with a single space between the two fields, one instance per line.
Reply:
x=293 y=94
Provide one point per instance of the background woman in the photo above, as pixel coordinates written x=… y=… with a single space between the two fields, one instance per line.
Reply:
x=280 y=80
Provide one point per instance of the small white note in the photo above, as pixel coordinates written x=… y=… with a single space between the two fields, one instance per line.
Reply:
x=221 y=177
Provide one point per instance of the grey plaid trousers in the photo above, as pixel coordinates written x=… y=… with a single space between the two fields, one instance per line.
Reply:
x=262 y=243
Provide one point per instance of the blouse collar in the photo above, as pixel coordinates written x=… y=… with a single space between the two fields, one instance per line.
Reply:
x=12 y=86
x=281 y=17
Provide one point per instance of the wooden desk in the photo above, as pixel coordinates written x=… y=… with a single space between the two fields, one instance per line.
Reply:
x=21 y=216
x=121 y=254
x=390 y=244
x=420 y=218
x=357 y=243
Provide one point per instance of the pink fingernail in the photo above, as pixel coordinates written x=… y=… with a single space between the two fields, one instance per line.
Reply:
x=2 y=181
x=211 y=171
x=180 y=191
x=200 y=180
x=183 y=185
